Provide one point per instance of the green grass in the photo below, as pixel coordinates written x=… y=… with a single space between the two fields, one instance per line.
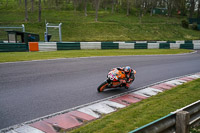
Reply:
x=195 y=129
x=146 y=111
x=110 y=27
x=25 y=56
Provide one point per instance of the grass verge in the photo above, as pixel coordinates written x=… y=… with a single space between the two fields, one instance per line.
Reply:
x=139 y=114
x=26 y=56
x=195 y=130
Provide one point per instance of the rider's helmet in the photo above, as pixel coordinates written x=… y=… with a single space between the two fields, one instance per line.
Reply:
x=127 y=69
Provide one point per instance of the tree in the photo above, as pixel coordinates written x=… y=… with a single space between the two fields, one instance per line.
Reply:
x=113 y=4
x=67 y=1
x=32 y=5
x=170 y=5
x=40 y=11
x=97 y=2
x=6 y=2
x=192 y=6
x=181 y=6
x=26 y=11
x=198 y=11
x=56 y=3
x=75 y=4
x=85 y=4
x=128 y=8
x=20 y=2
x=140 y=5
x=153 y=4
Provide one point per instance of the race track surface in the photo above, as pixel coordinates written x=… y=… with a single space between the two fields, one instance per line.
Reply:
x=29 y=90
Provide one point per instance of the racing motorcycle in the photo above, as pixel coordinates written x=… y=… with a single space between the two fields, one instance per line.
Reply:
x=114 y=79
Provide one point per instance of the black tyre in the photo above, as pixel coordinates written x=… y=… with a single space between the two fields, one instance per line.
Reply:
x=102 y=86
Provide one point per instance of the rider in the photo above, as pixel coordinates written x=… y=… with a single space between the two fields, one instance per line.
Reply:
x=129 y=75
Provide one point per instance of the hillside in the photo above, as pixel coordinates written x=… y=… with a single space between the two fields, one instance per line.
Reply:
x=110 y=26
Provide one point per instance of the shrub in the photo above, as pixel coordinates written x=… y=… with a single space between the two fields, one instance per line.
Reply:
x=185 y=23
x=194 y=26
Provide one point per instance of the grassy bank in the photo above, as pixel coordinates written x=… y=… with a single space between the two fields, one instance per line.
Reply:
x=139 y=114
x=110 y=27
x=25 y=56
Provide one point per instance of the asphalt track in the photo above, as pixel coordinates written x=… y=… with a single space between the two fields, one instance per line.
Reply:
x=29 y=90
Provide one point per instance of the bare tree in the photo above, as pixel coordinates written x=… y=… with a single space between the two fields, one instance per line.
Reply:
x=153 y=4
x=97 y=2
x=75 y=4
x=6 y=2
x=128 y=8
x=140 y=5
x=113 y=4
x=67 y=1
x=26 y=10
x=181 y=5
x=40 y=11
x=170 y=5
x=56 y=3
x=85 y=7
x=198 y=11
x=32 y=5
x=192 y=6
x=20 y=2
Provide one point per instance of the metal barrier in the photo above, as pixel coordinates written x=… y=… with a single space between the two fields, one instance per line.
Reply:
x=47 y=36
x=179 y=121
x=3 y=33
x=23 y=28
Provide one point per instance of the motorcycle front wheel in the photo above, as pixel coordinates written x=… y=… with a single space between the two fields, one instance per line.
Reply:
x=102 y=86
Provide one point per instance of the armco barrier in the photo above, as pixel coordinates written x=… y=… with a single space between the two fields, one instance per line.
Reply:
x=171 y=41
x=196 y=45
x=141 y=46
x=68 y=45
x=178 y=121
x=174 y=45
x=53 y=46
x=47 y=46
x=164 y=46
x=13 y=47
x=129 y=45
x=153 y=45
x=109 y=45
x=187 y=46
x=164 y=124
x=90 y=45
x=123 y=45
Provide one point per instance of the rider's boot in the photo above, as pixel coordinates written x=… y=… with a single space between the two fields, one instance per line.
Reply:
x=127 y=86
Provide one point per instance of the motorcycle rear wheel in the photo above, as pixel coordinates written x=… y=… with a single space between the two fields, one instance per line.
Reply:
x=102 y=86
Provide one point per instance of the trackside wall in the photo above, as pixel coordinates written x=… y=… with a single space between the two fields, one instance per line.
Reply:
x=54 y=46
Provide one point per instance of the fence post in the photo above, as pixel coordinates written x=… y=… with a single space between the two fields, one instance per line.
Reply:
x=23 y=28
x=46 y=37
x=60 y=33
x=182 y=122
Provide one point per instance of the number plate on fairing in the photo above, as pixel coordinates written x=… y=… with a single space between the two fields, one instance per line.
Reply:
x=113 y=74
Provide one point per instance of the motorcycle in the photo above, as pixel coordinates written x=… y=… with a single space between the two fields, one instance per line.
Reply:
x=115 y=78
